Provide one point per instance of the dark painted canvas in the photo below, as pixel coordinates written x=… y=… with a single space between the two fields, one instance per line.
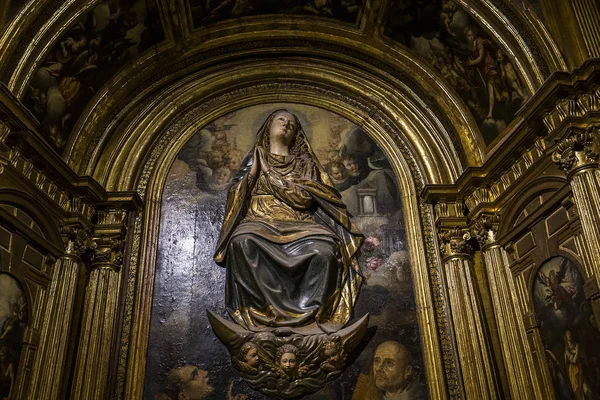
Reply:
x=13 y=320
x=569 y=330
x=184 y=355
x=445 y=35
x=211 y=11
x=103 y=40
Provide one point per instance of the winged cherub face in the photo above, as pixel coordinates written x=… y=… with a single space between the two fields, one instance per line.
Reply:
x=288 y=362
x=251 y=358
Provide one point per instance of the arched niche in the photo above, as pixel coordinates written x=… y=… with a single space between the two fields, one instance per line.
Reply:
x=101 y=111
x=152 y=178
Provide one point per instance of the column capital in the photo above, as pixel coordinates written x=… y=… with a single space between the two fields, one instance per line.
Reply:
x=109 y=238
x=578 y=150
x=108 y=253
x=455 y=243
x=78 y=242
x=485 y=228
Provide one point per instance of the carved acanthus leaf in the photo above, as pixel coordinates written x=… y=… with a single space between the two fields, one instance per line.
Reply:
x=578 y=149
x=455 y=241
x=485 y=228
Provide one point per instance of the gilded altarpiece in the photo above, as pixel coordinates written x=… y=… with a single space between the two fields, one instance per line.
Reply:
x=188 y=282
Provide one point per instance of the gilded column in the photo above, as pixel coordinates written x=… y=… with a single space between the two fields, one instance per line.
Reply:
x=467 y=316
x=518 y=360
x=46 y=381
x=577 y=156
x=92 y=370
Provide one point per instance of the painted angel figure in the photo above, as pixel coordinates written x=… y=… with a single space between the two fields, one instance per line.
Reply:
x=559 y=289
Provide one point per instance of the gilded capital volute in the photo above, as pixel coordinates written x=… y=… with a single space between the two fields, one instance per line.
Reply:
x=78 y=242
x=108 y=239
x=485 y=229
x=578 y=151
x=108 y=253
x=455 y=243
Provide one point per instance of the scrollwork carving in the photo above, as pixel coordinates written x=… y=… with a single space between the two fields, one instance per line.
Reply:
x=456 y=242
x=109 y=251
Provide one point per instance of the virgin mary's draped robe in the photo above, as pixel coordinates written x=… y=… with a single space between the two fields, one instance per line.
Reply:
x=289 y=247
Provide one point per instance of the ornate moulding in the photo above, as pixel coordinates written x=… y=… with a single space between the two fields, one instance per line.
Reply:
x=565 y=107
x=318 y=37
x=246 y=64
x=307 y=86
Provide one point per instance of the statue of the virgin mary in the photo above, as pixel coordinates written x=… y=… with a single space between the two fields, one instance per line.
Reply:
x=287 y=240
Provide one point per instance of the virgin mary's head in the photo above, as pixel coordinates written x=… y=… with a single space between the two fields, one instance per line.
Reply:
x=282 y=127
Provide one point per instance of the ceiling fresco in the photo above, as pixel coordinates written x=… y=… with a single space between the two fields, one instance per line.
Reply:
x=206 y=12
x=107 y=37
x=470 y=61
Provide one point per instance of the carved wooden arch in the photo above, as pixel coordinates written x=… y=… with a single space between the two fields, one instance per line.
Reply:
x=520 y=201
x=125 y=104
x=35 y=210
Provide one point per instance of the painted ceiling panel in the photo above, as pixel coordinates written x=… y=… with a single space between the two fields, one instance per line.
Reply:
x=205 y=12
x=106 y=38
x=471 y=62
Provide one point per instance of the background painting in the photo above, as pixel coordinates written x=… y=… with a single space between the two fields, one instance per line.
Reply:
x=188 y=282
x=569 y=330
x=109 y=36
x=205 y=12
x=13 y=320
x=444 y=34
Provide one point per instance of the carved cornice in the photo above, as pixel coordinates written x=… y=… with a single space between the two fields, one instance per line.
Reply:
x=565 y=106
x=446 y=210
x=573 y=106
x=579 y=150
x=455 y=243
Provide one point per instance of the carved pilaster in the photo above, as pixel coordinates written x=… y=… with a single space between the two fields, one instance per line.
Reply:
x=54 y=339
x=100 y=307
x=577 y=155
x=467 y=314
x=518 y=360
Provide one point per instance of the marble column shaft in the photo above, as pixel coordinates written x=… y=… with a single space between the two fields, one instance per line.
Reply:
x=97 y=333
x=467 y=317
x=46 y=379
x=517 y=356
